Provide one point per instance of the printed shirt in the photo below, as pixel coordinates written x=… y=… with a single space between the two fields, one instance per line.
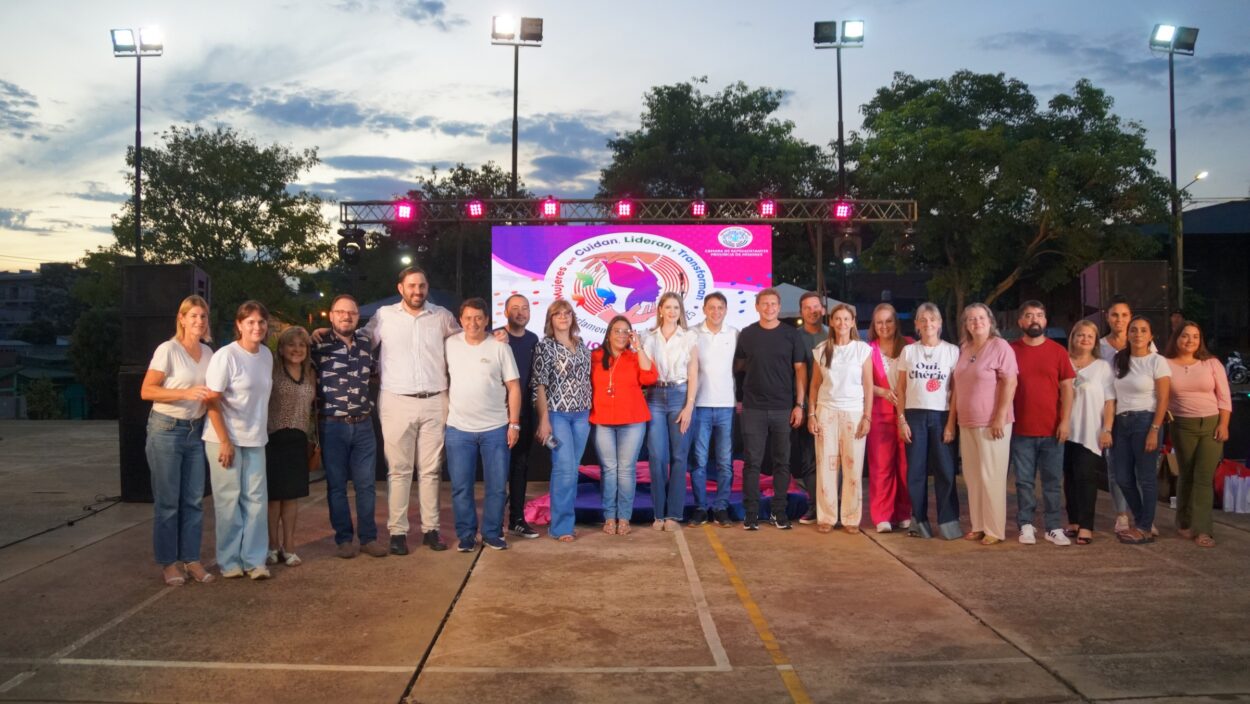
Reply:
x=343 y=375
x=565 y=375
x=412 y=360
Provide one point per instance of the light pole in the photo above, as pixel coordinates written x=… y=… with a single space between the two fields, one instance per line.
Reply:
x=150 y=43
x=825 y=36
x=503 y=31
x=1175 y=40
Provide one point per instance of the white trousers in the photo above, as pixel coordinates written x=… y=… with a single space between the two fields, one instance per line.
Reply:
x=412 y=435
x=985 y=472
x=839 y=454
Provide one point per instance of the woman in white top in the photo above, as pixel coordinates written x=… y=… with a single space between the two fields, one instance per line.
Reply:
x=841 y=387
x=1142 y=384
x=1117 y=314
x=235 y=439
x=174 y=383
x=1093 y=413
x=671 y=402
x=924 y=391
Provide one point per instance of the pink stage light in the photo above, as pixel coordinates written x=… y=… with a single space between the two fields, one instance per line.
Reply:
x=698 y=209
x=842 y=210
x=624 y=208
x=768 y=208
x=550 y=209
x=475 y=209
x=405 y=211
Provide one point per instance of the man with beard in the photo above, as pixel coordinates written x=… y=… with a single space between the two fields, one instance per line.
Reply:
x=1043 y=403
x=802 y=444
x=522 y=342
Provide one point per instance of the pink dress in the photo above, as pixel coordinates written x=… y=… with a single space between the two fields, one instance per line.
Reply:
x=888 y=499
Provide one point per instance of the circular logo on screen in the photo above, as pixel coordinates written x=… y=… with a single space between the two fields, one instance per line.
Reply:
x=734 y=237
x=624 y=273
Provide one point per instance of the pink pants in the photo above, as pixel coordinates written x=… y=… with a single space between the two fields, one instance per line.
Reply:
x=888 y=499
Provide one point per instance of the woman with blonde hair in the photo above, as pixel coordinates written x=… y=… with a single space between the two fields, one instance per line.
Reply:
x=1093 y=412
x=174 y=383
x=889 y=503
x=290 y=433
x=841 y=389
x=671 y=403
x=561 y=382
x=983 y=388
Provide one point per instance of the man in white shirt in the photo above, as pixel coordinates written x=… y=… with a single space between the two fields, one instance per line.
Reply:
x=412 y=404
x=714 y=410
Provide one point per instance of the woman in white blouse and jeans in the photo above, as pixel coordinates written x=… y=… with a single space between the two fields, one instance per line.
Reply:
x=671 y=402
x=1142 y=385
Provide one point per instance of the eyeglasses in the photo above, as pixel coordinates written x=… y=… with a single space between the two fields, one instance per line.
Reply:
x=563 y=314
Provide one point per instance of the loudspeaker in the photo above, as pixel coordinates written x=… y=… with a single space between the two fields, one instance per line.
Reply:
x=150 y=297
x=132 y=421
x=1143 y=283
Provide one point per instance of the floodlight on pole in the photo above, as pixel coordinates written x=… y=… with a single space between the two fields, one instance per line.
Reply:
x=825 y=36
x=1174 y=40
x=504 y=32
x=128 y=43
x=1197 y=177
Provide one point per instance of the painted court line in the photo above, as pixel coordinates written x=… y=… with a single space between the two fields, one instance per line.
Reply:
x=782 y=663
x=210 y=665
x=719 y=656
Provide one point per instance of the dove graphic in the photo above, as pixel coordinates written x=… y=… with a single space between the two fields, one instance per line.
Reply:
x=643 y=283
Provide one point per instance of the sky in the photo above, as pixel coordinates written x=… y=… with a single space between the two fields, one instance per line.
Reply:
x=385 y=89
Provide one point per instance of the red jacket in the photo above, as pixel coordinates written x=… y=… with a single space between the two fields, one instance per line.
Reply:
x=625 y=404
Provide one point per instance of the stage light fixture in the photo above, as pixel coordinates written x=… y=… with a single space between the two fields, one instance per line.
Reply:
x=767 y=208
x=550 y=208
x=853 y=31
x=1170 y=38
x=843 y=211
x=351 y=245
x=405 y=211
x=503 y=27
x=624 y=208
x=124 y=42
x=151 y=41
x=825 y=33
x=475 y=209
x=698 y=209
x=531 y=29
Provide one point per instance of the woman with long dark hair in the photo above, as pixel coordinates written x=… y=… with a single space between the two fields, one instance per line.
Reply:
x=619 y=370
x=1142 y=385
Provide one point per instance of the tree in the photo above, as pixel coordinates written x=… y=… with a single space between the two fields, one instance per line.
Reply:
x=728 y=144
x=43 y=401
x=1007 y=191
x=95 y=353
x=219 y=200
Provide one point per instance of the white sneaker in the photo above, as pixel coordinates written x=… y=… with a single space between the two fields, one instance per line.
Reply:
x=904 y=524
x=1057 y=536
x=271 y=557
x=884 y=527
x=1028 y=534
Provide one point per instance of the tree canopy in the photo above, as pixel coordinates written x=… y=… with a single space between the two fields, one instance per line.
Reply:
x=1007 y=190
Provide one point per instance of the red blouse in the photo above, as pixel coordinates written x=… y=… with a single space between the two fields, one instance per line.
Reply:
x=625 y=404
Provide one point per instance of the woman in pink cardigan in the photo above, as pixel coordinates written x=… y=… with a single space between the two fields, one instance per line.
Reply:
x=889 y=502
x=1200 y=405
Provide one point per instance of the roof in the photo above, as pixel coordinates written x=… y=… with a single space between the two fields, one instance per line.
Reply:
x=790 y=295
x=1227 y=218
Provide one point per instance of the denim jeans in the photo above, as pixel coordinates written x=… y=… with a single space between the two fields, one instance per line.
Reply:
x=762 y=428
x=927 y=453
x=1135 y=469
x=463 y=449
x=668 y=450
x=571 y=431
x=712 y=425
x=240 y=506
x=349 y=451
x=618 y=447
x=176 y=458
x=1030 y=457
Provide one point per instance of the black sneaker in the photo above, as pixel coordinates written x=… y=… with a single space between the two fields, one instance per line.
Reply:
x=722 y=517
x=699 y=517
x=523 y=529
x=751 y=522
x=432 y=541
x=399 y=545
x=810 y=517
x=780 y=522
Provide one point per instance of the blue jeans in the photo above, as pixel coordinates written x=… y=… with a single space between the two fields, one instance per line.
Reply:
x=571 y=430
x=176 y=458
x=1135 y=469
x=463 y=448
x=668 y=450
x=618 y=447
x=1031 y=456
x=928 y=453
x=241 y=507
x=712 y=425
x=349 y=451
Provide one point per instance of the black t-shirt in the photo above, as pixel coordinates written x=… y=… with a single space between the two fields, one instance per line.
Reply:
x=523 y=352
x=770 y=356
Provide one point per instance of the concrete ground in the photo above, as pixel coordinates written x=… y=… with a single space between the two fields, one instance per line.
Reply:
x=703 y=615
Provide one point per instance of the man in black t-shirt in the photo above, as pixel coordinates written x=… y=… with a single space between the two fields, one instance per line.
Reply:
x=522 y=342
x=774 y=357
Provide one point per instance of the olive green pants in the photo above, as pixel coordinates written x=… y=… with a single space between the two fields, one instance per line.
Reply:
x=1197 y=456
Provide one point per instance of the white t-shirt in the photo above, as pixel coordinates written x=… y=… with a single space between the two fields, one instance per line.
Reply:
x=716 y=366
x=842 y=380
x=1107 y=353
x=477 y=397
x=243 y=379
x=928 y=374
x=181 y=372
x=1094 y=386
x=1136 y=391
x=671 y=356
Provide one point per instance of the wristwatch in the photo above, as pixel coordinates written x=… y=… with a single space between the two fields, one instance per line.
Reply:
x=802 y=405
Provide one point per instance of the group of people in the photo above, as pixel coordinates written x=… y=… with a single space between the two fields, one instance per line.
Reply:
x=822 y=402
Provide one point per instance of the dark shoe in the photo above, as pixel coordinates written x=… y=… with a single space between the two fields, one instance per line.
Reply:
x=919 y=529
x=722 y=518
x=346 y=550
x=699 y=517
x=373 y=549
x=523 y=529
x=399 y=545
x=466 y=545
x=751 y=522
x=780 y=522
x=810 y=517
x=432 y=541
x=496 y=543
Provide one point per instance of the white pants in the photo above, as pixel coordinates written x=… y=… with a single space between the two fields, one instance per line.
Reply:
x=412 y=433
x=839 y=452
x=985 y=472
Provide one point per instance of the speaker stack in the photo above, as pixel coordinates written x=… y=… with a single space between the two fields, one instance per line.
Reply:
x=150 y=297
x=1144 y=284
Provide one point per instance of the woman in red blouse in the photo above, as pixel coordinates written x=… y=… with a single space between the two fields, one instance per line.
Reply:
x=618 y=371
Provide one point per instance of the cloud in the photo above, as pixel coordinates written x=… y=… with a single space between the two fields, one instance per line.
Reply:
x=572 y=177
x=1221 y=107
x=1105 y=60
x=456 y=128
x=361 y=162
x=17 y=112
x=97 y=192
x=359 y=188
x=298 y=106
x=432 y=13
x=14 y=219
x=558 y=132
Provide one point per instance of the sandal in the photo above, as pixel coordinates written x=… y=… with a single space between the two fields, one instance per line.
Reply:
x=609 y=526
x=1185 y=533
x=1084 y=539
x=853 y=530
x=974 y=535
x=1071 y=532
x=657 y=524
x=1135 y=537
x=622 y=527
x=824 y=528
x=173 y=576
x=292 y=560
x=1205 y=541
x=197 y=573
x=990 y=540
x=567 y=538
